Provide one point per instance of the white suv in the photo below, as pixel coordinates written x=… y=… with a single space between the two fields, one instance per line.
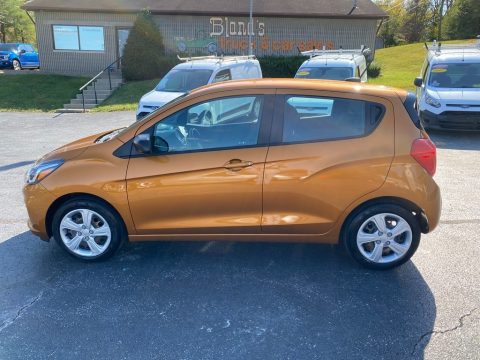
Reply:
x=196 y=72
x=335 y=65
x=448 y=89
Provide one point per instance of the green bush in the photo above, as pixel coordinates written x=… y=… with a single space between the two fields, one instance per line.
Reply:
x=144 y=55
x=280 y=66
x=374 y=70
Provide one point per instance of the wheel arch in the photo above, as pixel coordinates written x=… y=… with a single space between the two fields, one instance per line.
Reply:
x=85 y=196
x=389 y=200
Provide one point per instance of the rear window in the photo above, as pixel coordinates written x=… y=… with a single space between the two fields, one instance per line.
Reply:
x=327 y=73
x=310 y=118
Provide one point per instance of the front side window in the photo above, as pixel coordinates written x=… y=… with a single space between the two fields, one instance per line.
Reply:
x=309 y=118
x=224 y=123
x=327 y=73
x=184 y=80
x=458 y=76
x=81 y=38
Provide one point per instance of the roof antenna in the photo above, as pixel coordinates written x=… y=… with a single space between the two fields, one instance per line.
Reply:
x=354 y=6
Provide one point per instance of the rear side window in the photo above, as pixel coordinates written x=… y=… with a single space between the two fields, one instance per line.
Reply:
x=309 y=118
x=223 y=75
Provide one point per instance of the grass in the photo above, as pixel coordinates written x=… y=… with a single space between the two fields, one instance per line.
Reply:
x=401 y=64
x=37 y=92
x=127 y=96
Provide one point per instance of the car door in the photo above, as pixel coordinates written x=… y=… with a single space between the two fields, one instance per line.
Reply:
x=206 y=173
x=24 y=56
x=328 y=149
x=32 y=56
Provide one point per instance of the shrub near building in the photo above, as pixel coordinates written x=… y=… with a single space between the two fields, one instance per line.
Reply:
x=144 y=55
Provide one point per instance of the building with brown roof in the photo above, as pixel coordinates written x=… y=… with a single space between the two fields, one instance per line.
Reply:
x=82 y=37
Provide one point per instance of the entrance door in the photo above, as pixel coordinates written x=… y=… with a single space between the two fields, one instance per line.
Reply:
x=122 y=36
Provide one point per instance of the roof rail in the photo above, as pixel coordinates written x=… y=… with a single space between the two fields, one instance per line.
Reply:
x=214 y=57
x=315 y=52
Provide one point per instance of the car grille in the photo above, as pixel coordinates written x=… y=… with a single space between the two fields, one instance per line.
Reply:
x=461 y=120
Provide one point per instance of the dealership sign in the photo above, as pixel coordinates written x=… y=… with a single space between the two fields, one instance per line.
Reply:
x=224 y=27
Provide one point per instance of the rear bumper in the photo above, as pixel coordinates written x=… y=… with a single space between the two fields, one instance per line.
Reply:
x=451 y=120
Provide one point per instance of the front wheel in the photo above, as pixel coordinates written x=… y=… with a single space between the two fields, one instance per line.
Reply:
x=16 y=65
x=88 y=229
x=382 y=236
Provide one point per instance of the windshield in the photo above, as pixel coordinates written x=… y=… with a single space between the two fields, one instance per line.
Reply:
x=461 y=76
x=8 y=47
x=183 y=80
x=327 y=73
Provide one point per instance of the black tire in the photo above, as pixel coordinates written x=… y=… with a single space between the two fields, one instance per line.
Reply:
x=352 y=226
x=16 y=65
x=117 y=228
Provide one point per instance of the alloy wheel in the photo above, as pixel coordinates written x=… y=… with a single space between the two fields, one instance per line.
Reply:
x=384 y=238
x=85 y=232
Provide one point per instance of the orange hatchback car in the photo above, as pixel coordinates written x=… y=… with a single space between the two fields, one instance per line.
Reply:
x=263 y=160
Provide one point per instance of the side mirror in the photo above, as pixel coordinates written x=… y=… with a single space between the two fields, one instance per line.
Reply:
x=23 y=51
x=418 y=82
x=353 y=79
x=143 y=143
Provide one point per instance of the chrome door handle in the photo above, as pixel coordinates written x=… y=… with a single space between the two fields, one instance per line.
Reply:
x=237 y=164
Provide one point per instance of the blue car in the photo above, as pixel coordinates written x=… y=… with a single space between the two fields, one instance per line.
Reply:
x=18 y=56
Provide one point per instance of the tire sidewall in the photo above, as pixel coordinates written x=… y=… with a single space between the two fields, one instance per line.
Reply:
x=353 y=225
x=19 y=64
x=116 y=228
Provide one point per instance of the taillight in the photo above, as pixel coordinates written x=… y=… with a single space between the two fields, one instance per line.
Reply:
x=425 y=152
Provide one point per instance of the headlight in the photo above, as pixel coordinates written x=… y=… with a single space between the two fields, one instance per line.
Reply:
x=40 y=171
x=432 y=101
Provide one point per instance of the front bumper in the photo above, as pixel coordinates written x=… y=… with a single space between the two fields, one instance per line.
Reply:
x=37 y=200
x=5 y=64
x=451 y=120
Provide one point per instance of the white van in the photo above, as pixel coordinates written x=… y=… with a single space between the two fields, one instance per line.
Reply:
x=195 y=72
x=335 y=65
x=448 y=88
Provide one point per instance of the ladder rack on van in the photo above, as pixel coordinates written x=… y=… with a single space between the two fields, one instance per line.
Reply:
x=218 y=58
x=315 y=52
x=438 y=46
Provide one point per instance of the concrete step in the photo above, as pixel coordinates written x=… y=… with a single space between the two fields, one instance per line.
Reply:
x=91 y=93
x=69 y=111
x=100 y=97
x=102 y=87
x=87 y=101
x=78 y=106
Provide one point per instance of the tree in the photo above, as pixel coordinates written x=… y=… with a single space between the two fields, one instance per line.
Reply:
x=15 y=25
x=463 y=19
x=417 y=20
x=390 y=30
x=144 y=53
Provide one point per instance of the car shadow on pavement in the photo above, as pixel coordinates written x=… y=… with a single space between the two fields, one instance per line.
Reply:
x=209 y=300
x=455 y=139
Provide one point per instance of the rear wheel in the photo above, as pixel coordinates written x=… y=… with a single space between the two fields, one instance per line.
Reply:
x=382 y=236
x=16 y=65
x=88 y=229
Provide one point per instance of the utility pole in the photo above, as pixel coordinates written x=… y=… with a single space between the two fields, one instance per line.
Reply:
x=250 y=30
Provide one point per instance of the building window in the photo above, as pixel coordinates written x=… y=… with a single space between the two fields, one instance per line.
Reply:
x=80 y=38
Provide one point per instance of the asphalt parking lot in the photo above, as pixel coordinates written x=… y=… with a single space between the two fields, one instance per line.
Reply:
x=234 y=300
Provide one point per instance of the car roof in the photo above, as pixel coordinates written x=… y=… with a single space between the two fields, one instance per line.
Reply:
x=454 y=55
x=211 y=64
x=330 y=59
x=302 y=84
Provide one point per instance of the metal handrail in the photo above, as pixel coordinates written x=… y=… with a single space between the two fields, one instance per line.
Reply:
x=94 y=79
